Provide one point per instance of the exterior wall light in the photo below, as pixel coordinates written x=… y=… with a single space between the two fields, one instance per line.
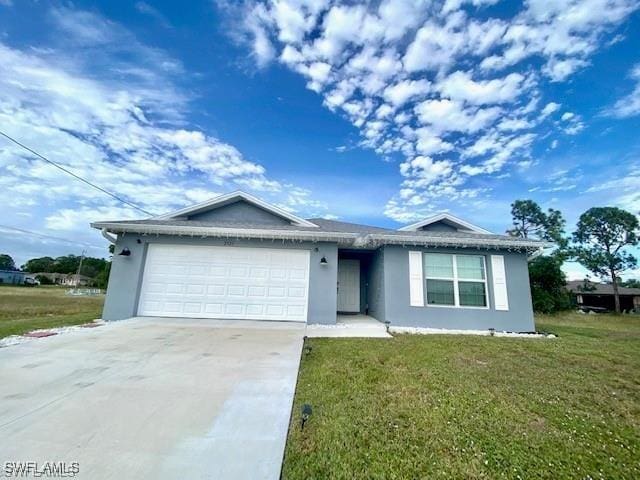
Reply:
x=125 y=252
x=323 y=261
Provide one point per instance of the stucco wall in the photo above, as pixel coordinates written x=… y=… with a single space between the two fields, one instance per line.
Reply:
x=519 y=317
x=376 y=286
x=438 y=227
x=239 y=212
x=126 y=273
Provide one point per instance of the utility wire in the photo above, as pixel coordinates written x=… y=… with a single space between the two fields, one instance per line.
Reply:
x=57 y=165
x=29 y=232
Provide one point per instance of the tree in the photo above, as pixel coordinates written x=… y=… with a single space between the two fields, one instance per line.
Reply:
x=36 y=265
x=547 y=280
x=66 y=264
x=102 y=278
x=548 y=285
x=529 y=221
x=44 y=280
x=6 y=262
x=601 y=235
x=631 y=283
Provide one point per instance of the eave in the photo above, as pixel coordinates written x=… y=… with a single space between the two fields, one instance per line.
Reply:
x=224 y=232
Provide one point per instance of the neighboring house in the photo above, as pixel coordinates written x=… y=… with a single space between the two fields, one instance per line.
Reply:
x=600 y=295
x=66 y=279
x=237 y=257
x=75 y=280
x=55 y=278
x=12 y=277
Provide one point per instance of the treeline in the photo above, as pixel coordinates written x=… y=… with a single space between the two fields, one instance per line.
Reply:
x=599 y=243
x=94 y=268
x=66 y=264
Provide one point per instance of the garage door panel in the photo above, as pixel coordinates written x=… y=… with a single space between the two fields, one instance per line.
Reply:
x=257 y=291
x=296 y=292
x=255 y=309
x=218 y=271
x=225 y=282
x=192 y=308
x=258 y=273
x=236 y=291
x=216 y=290
x=213 y=308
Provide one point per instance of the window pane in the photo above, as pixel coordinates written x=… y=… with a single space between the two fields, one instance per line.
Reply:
x=440 y=292
x=471 y=267
x=438 y=265
x=472 y=294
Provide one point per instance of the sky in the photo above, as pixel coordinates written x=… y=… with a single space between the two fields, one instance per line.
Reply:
x=380 y=112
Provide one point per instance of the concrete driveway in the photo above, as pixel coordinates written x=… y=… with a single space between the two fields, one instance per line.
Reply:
x=153 y=398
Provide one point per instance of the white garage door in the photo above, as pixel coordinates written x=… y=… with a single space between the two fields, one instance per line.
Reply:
x=225 y=282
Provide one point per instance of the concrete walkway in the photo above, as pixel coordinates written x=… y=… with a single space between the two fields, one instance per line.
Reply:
x=350 y=326
x=153 y=399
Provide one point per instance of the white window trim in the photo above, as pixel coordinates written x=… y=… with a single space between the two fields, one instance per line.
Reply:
x=455 y=279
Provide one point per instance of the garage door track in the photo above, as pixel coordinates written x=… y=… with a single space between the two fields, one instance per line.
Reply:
x=153 y=398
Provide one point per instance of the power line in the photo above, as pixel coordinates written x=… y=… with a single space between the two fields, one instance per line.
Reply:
x=29 y=232
x=57 y=165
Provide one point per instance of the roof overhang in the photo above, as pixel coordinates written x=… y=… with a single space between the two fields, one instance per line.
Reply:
x=451 y=219
x=373 y=240
x=224 y=232
x=233 y=197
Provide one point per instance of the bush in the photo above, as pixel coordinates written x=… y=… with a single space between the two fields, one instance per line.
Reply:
x=548 y=285
x=44 y=280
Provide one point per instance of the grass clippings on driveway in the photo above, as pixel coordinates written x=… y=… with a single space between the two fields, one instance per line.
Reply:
x=23 y=309
x=473 y=407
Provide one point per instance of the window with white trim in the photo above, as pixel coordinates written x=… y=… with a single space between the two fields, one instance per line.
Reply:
x=455 y=280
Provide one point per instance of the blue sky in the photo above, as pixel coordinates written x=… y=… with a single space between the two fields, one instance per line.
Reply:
x=376 y=112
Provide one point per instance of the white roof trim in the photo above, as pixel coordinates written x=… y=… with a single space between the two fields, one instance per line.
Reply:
x=229 y=198
x=443 y=216
x=358 y=240
x=375 y=239
x=266 y=234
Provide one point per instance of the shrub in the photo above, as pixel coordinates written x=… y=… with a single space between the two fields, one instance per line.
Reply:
x=548 y=285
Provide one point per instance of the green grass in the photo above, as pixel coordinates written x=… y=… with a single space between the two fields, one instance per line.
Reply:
x=23 y=309
x=465 y=407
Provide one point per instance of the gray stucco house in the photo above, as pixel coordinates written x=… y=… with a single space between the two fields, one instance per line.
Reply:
x=237 y=257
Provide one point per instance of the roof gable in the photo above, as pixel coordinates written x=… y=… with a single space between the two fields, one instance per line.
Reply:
x=443 y=222
x=240 y=205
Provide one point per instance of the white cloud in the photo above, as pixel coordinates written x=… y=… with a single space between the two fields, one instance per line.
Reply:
x=562 y=32
x=629 y=105
x=401 y=92
x=123 y=128
x=452 y=116
x=428 y=78
x=425 y=169
x=151 y=11
x=621 y=191
x=460 y=86
x=549 y=108
x=429 y=143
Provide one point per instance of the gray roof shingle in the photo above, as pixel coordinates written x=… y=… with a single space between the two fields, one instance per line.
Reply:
x=329 y=230
x=594 y=288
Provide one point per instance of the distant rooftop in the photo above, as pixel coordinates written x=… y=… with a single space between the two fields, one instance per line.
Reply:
x=596 y=288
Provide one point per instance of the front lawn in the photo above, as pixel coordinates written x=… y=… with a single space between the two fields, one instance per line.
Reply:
x=466 y=407
x=23 y=309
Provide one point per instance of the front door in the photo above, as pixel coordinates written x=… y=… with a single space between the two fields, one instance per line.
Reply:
x=349 y=286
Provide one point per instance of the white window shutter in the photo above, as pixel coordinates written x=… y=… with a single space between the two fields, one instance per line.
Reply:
x=500 y=296
x=416 y=280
